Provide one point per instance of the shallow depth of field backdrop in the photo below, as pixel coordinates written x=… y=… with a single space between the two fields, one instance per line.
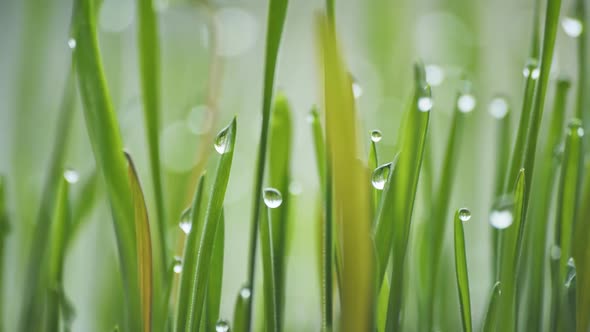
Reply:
x=487 y=42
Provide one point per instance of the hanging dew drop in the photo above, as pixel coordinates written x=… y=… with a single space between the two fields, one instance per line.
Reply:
x=272 y=198
x=501 y=216
x=177 y=267
x=72 y=43
x=185 y=220
x=245 y=292
x=575 y=128
x=531 y=69
x=380 y=176
x=376 y=135
x=464 y=214
x=466 y=103
x=424 y=104
x=572 y=26
x=498 y=108
x=222 y=142
x=222 y=326
x=571 y=273
x=357 y=90
x=71 y=175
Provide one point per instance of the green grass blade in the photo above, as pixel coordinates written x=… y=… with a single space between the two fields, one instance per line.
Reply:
x=277 y=11
x=216 y=277
x=509 y=259
x=4 y=229
x=149 y=60
x=500 y=110
x=373 y=162
x=567 y=203
x=318 y=143
x=210 y=222
x=271 y=304
x=30 y=311
x=461 y=269
x=107 y=146
x=189 y=257
x=241 y=310
x=382 y=302
x=350 y=189
x=84 y=203
x=144 y=247
x=491 y=317
x=555 y=255
x=582 y=57
x=540 y=212
x=581 y=253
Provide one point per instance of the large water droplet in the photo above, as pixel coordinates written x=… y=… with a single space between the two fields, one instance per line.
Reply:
x=498 y=107
x=435 y=75
x=177 y=267
x=531 y=69
x=245 y=292
x=222 y=142
x=464 y=214
x=466 y=103
x=272 y=198
x=570 y=273
x=572 y=26
x=222 y=326
x=575 y=128
x=71 y=175
x=424 y=104
x=72 y=43
x=185 y=220
x=380 y=176
x=376 y=135
x=501 y=216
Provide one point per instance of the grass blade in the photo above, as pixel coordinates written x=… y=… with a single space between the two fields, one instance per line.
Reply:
x=4 y=229
x=461 y=269
x=277 y=10
x=350 y=189
x=216 y=277
x=149 y=60
x=144 y=246
x=491 y=318
x=581 y=253
x=271 y=304
x=107 y=146
x=211 y=220
x=241 y=310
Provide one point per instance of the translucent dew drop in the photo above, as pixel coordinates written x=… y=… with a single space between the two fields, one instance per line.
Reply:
x=531 y=69
x=572 y=26
x=575 y=128
x=435 y=75
x=571 y=273
x=222 y=326
x=501 y=216
x=272 y=198
x=376 y=135
x=380 y=176
x=424 y=104
x=71 y=175
x=177 y=267
x=245 y=292
x=357 y=90
x=185 y=221
x=222 y=143
x=466 y=103
x=498 y=107
x=72 y=43
x=464 y=214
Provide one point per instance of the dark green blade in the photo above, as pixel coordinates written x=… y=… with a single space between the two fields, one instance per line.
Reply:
x=461 y=269
x=491 y=317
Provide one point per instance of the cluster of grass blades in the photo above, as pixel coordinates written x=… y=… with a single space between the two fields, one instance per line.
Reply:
x=367 y=210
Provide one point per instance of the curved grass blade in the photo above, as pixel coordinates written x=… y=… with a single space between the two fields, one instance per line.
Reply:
x=581 y=254
x=461 y=271
x=241 y=310
x=277 y=10
x=501 y=111
x=149 y=61
x=216 y=277
x=144 y=247
x=373 y=164
x=271 y=304
x=31 y=297
x=491 y=318
x=189 y=257
x=210 y=222
x=107 y=146
x=580 y=12
x=350 y=189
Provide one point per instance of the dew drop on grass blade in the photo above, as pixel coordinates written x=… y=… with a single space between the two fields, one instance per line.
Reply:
x=462 y=215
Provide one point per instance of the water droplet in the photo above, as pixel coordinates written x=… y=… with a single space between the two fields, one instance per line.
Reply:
x=357 y=90
x=380 y=176
x=531 y=69
x=185 y=221
x=177 y=267
x=435 y=75
x=572 y=26
x=498 y=107
x=571 y=272
x=272 y=198
x=575 y=127
x=376 y=135
x=501 y=216
x=245 y=292
x=72 y=43
x=464 y=214
x=222 y=143
x=71 y=175
x=555 y=252
x=424 y=104
x=222 y=326
x=466 y=103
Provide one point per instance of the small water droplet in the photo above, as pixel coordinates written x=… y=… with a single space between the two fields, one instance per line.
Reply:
x=185 y=220
x=376 y=135
x=424 y=104
x=71 y=175
x=464 y=214
x=531 y=69
x=572 y=26
x=72 y=43
x=222 y=143
x=501 y=216
x=435 y=75
x=466 y=103
x=575 y=127
x=357 y=90
x=380 y=176
x=222 y=326
x=177 y=268
x=571 y=272
x=245 y=292
x=498 y=107
x=555 y=252
x=272 y=198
